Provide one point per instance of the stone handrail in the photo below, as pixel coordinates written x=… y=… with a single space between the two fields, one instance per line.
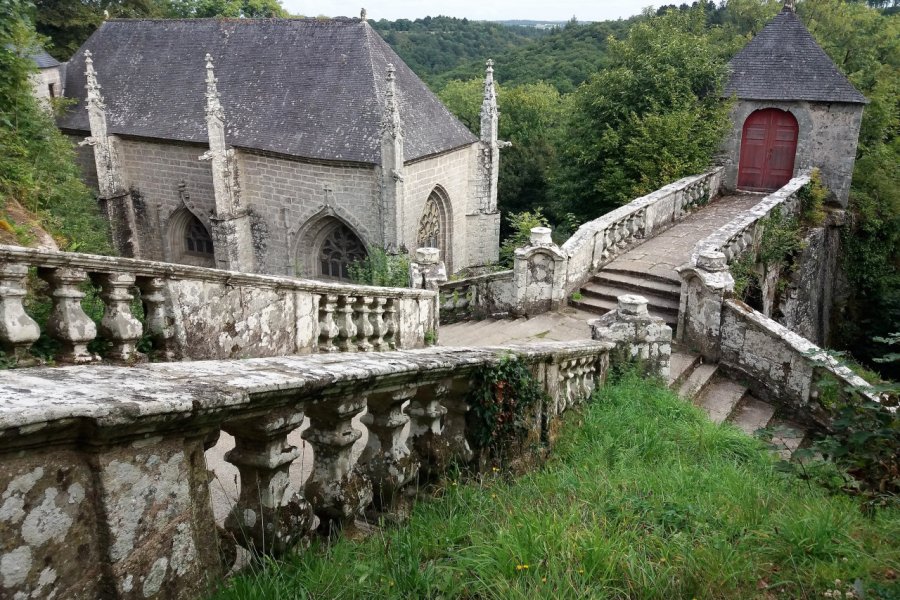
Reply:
x=200 y=313
x=737 y=236
x=477 y=297
x=103 y=475
x=598 y=242
x=783 y=366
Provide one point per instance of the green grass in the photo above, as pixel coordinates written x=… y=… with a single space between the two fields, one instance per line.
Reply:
x=642 y=498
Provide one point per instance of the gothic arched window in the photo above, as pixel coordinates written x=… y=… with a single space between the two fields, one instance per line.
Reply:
x=197 y=240
x=189 y=240
x=340 y=247
x=430 y=225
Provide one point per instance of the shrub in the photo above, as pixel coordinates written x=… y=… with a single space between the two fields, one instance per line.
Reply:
x=521 y=224
x=382 y=269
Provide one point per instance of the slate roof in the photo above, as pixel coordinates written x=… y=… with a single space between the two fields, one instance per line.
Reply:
x=43 y=60
x=784 y=62
x=310 y=88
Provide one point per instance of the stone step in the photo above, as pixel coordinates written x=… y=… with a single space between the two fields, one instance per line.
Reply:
x=642 y=275
x=786 y=437
x=638 y=283
x=606 y=291
x=681 y=364
x=752 y=414
x=697 y=381
x=600 y=306
x=720 y=398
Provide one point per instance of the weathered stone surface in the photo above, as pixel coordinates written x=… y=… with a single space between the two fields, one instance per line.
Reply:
x=637 y=334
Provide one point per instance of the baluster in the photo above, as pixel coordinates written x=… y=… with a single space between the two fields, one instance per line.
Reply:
x=388 y=461
x=328 y=329
x=390 y=322
x=430 y=447
x=346 y=326
x=378 y=326
x=156 y=317
x=364 y=328
x=18 y=331
x=455 y=421
x=565 y=386
x=68 y=323
x=118 y=325
x=336 y=489
x=607 y=243
x=640 y=223
x=270 y=516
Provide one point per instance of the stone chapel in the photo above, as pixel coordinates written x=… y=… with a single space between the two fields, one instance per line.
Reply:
x=280 y=146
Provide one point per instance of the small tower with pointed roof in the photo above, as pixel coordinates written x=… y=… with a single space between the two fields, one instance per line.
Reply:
x=794 y=110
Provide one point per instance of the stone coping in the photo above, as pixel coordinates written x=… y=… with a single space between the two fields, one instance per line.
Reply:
x=475 y=279
x=587 y=230
x=31 y=399
x=720 y=238
x=95 y=263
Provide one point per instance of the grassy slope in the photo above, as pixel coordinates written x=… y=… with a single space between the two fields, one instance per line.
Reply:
x=644 y=498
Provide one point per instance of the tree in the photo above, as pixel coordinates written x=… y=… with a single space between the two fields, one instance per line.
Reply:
x=656 y=114
x=225 y=8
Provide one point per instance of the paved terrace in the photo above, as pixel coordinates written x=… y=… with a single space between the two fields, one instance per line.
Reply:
x=657 y=256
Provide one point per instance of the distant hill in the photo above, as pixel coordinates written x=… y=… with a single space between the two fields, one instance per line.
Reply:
x=435 y=45
x=536 y=24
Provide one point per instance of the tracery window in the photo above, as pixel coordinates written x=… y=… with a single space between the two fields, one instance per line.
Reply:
x=430 y=225
x=197 y=240
x=340 y=248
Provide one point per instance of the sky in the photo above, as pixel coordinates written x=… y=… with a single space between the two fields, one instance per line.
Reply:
x=483 y=10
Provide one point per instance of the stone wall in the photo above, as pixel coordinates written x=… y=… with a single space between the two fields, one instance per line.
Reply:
x=827 y=139
x=41 y=82
x=119 y=506
x=479 y=297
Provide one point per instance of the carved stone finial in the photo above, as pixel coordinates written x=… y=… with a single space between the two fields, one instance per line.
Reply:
x=362 y=14
x=213 y=105
x=789 y=5
x=392 y=123
x=93 y=88
x=489 y=104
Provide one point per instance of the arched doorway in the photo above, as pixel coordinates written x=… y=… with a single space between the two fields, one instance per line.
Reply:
x=337 y=248
x=768 y=149
x=189 y=240
x=434 y=224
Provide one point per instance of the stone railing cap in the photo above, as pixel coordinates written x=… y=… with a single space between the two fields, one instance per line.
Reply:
x=428 y=255
x=632 y=304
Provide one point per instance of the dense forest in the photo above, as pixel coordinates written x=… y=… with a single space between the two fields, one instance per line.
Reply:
x=597 y=113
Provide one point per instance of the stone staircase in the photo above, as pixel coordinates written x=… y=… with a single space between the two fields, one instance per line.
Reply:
x=600 y=294
x=724 y=399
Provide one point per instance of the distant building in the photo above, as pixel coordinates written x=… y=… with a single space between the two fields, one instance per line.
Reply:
x=47 y=82
x=795 y=110
x=284 y=146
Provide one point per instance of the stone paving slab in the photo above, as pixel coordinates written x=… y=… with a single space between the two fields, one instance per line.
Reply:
x=563 y=326
x=661 y=254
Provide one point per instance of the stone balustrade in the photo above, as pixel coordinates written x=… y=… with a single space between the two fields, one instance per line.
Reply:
x=105 y=485
x=598 y=242
x=491 y=294
x=742 y=234
x=196 y=313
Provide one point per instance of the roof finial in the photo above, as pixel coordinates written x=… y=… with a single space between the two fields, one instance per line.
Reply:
x=392 y=121
x=93 y=88
x=490 y=95
x=213 y=106
x=789 y=5
x=362 y=14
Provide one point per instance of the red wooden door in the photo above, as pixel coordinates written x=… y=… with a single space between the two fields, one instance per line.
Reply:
x=768 y=148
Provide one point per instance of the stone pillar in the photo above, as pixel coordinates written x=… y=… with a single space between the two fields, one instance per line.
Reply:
x=114 y=197
x=118 y=325
x=232 y=236
x=18 y=331
x=703 y=291
x=68 y=323
x=427 y=271
x=392 y=187
x=483 y=220
x=636 y=334
x=539 y=274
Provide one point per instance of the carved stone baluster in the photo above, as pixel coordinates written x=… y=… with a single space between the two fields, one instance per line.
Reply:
x=328 y=329
x=607 y=243
x=156 y=317
x=378 y=326
x=270 y=516
x=364 y=328
x=390 y=323
x=336 y=489
x=118 y=325
x=567 y=385
x=68 y=323
x=455 y=421
x=431 y=448
x=18 y=331
x=388 y=461
x=346 y=327
x=623 y=234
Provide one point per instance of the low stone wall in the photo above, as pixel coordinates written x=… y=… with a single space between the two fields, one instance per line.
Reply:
x=105 y=488
x=782 y=366
x=198 y=313
x=479 y=297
